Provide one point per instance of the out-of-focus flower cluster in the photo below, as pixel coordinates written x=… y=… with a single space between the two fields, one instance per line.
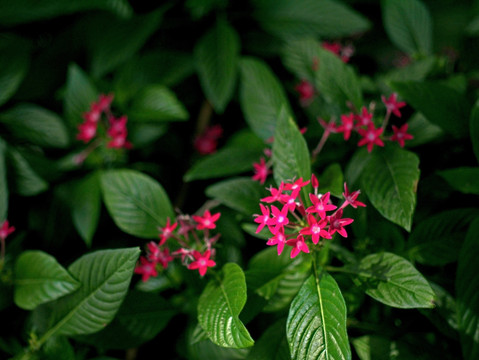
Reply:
x=190 y=235
x=292 y=223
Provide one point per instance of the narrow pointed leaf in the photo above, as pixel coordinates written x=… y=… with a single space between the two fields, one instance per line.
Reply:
x=463 y=179
x=105 y=276
x=394 y=281
x=220 y=305
x=261 y=97
x=39 y=278
x=390 y=180
x=26 y=181
x=467 y=296
x=316 y=325
x=137 y=203
x=216 y=56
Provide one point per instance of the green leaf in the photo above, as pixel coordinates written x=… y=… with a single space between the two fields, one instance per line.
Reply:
x=390 y=180
x=86 y=205
x=422 y=130
x=220 y=305
x=230 y=160
x=25 y=11
x=79 y=94
x=105 y=277
x=261 y=97
x=137 y=203
x=272 y=345
x=374 y=348
x=140 y=318
x=335 y=80
x=3 y=183
x=216 y=55
x=474 y=129
x=301 y=18
x=157 y=103
x=37 y=125
x=332 y=180
x=408 y=25
x=437 y=240
x=39 y=278
x=316 y=325
x=394 y=281
x=441 y=104
x=14 y=63
x=463 y=179
x=113 y=40
x=467 y=297
x=290 y=152
x=25 y=180
x=57 y=348
x=241 y=194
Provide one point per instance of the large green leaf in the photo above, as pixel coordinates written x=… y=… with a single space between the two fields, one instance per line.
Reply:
x=157 y=103
x=24 y=11
x=408 y=25
x=390 y=180
x=36 y=124
x=220 y=305
x=216 y=55
x=328 y=18
x=25 y=180
x=140 y=318
x=335 y=80
x=79 y=94
x=290 y=152
x=137 y=203
x=261 y=97
x=39 y=278
x=422 y=130
x=394 y=281
x=3 y=183
x=474 y=129
x=272 y=345
x=440 y=103
x=241 y=194
x=316 y=325
x=86 y=205
x=463 y=179
x=105 y=277
x=437 y=240
x=113 y=40
x=467 y=296
x=14 y=63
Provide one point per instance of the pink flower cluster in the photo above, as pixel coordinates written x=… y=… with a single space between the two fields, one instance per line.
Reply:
x=293 y=223
x=196 y=252
x=207 y=142
x=115 y=127
x=363 y=124
x=344 y=52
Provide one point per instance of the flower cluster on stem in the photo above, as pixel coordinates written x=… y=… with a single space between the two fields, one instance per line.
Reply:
x=190 y=236
x=292 y=223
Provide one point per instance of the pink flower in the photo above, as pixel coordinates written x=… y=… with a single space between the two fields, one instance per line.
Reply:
x=146 y=269
x=306 y=92
x=320 y=205
x=297 y=185
x=167 y=231
x=314 y=181
x=202 y=262
x=87 y=131
x=118 y=132
x=184 y=253
x=333 y=47
x=400 y=134
x=343 y=52
x=207 y=221
x=336 y=223
x=364 y=118
x=94 y=114
x=371 y=137
x=328 y=127
x=392 y=105
x=164 y=257
x=298 y=245
x=263 y=219
x=290 y=199
x=105 y=101
x=280 y=218
x=119 y=141
x=261 y=171
x=6 y=230
x=278 y=239
x=207 y=142
x=315 y=229
x=347 y=125
x=351 y=197
x=275 y=194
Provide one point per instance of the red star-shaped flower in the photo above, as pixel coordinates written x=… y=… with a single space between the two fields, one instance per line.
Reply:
x=400 y=134
x=202 y=262
x=146 y=268
x=392 y=106
x=207 y=221
x=6 y=230
x=371 y=137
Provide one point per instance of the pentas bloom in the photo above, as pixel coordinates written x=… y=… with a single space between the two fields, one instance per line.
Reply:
x=207 y=142
x=371 y=136
x=400 y=134
x=6 y=230
x=392 y=106
x=344 y=52
x=190 y=236
x=296 y=226
x=261 y=171
x=306 y=92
